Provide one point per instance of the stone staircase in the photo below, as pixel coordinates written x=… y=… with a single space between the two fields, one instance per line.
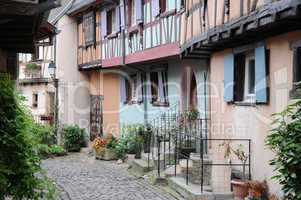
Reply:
x=189 y=189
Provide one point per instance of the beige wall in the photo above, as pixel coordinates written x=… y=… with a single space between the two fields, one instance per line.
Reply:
x=74 y=94
x=230 y=120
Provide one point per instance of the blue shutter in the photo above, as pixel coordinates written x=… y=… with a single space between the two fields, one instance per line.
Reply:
x=261 y=69
x=104 y=24
x=229 y=78
x=122 y=89
x=139 y=16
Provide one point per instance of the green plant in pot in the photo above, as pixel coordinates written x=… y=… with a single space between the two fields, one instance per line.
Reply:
x=192 y=114
x=240 y=187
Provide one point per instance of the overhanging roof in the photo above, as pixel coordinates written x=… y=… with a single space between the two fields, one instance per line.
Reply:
x=270 y=20
x=22 y=24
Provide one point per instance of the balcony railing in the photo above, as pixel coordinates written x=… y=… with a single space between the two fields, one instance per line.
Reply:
x=161 y=31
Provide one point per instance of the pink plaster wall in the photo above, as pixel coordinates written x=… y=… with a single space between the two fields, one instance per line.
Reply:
x=232 y=121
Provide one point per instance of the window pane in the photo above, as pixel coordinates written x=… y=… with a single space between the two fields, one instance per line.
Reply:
x=154 y=86
x=251 y=76
x=298 y=70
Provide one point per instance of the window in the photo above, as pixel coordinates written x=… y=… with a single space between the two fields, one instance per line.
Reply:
x=134 y=88
x=159 y=88
x=35 y=99
x=131 y=13
x=89 y=28
x=111 y=22
x=162 y=6
x=297 y=65
x=244 y=73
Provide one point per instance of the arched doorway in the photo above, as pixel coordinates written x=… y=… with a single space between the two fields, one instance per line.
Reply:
x=189 y=97
x=193 y=97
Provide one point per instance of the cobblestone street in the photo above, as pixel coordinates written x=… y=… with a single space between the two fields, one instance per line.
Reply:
x=84 y=178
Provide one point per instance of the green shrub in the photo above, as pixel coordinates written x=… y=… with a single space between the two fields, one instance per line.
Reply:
x=285 y=141
x=131 y=141
x=57 y=150
x=74 y=138
x=20 y=172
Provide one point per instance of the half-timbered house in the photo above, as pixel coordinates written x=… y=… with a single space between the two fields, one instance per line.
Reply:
x=131 y=61
x=253 y=53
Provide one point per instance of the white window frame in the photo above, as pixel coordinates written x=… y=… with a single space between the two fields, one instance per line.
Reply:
x=249 y=97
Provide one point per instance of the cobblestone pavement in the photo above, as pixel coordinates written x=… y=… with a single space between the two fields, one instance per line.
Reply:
x=84 y=178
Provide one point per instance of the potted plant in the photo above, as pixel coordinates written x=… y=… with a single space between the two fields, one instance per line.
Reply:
x=258 y=190
x=240 y=186
x=104 y=148
x=192 y=114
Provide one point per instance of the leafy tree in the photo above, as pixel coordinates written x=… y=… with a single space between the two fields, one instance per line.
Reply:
x=21 y=176
x=285 y=141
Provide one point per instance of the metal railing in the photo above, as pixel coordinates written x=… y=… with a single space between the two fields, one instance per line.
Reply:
x=174 y=136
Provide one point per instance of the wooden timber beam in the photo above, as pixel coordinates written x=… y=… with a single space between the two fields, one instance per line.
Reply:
x=270 y=20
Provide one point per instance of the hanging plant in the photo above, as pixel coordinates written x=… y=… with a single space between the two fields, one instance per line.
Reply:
x=32 y=66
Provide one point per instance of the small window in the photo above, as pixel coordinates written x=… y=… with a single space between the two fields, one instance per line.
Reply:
x=245 y=77
x=154 y=86
x=89 y=28
x=159 y=88
x=297 y=65
x=131 y=13
x=35 y=99
x=134 y=89
x=182 y=5
x=111 y=22
x=162 y=6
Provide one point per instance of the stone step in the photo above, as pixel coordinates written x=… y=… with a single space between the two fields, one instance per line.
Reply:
x=193 y=191
x=141 y=166
x=169 y=159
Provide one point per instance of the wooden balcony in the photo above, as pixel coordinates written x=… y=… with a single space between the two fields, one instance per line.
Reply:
x=151 y=41
x=218 y=25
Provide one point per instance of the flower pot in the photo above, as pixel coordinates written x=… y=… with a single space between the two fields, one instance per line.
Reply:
x=105 y=154
x=240 y=189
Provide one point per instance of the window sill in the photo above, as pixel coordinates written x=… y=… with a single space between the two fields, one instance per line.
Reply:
x=168 y=13
x=160 y=104
x=112 y=35
x=241 y=103
x=134 y=29
x=133 y=102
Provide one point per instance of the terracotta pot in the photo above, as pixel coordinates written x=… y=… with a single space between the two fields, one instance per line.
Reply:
x=240 y=189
